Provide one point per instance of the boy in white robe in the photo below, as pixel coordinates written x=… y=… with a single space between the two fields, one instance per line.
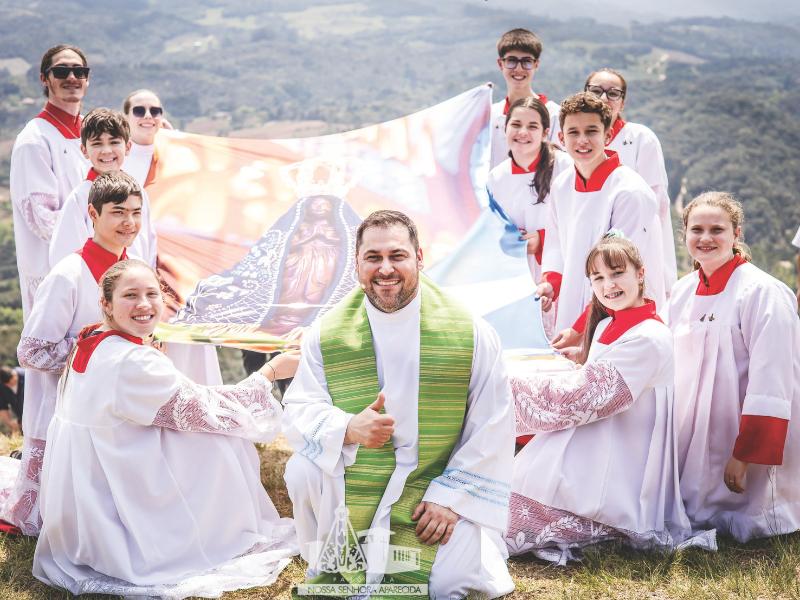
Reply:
x=66 y=302
x=105 y=142
x=464 y=508
x=518 y=54
x=601 y=194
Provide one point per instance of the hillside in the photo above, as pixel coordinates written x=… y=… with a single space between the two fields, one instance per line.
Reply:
x=716 y=91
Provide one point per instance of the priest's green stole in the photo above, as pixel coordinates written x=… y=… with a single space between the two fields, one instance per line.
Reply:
x=445 y=365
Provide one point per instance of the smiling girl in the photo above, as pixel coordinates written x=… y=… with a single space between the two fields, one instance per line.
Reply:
x=145 y=115
x=602 y=465
x=149 y=479
x=520 y=185
x=737 y=349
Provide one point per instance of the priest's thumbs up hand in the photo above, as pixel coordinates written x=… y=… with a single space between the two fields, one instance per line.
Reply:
x=370 y=428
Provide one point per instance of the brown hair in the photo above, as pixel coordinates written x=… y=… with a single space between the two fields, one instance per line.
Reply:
x=613 y=72
x=126 y=104
x=104 y=120
x=47 y=58
x=544 y=173
x=727 y=202
x=616 y=253
x=385 y=219
x=585 y=102
x=114 y=188
x=520 y=40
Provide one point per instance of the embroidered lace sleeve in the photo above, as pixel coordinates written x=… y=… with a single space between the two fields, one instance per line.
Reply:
x=40 y=211
x=565 y=400
x=245 y=410
x=50 y=357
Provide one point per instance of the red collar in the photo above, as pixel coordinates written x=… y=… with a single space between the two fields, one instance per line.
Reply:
x=507 y=105
x=517 y=170
x=98 y=259
x=711 y=286
x=616 y=128
x=601 y=173
x=623 y=320
x=68 y=125
x=151 y=172
x=87 y=345
x=92 y=175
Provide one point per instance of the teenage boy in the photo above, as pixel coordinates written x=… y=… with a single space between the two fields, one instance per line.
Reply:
x=599 y=195
x=105 y=141
x=67 y=300
x=518 y=53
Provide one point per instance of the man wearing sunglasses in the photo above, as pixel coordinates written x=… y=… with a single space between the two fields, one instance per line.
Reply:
x=46 y=164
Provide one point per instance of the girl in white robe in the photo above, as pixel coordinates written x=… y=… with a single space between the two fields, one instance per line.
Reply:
x=150 y=486
x=638 y=147
x=145 y=115
x=737 y=349
x=602 y=465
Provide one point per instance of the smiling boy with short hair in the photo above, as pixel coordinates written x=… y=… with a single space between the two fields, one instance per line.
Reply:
x=518 y=54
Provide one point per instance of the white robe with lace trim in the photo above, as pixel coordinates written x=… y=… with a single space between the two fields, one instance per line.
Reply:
x=603 y=463
x=475 y=484
x=150 y=486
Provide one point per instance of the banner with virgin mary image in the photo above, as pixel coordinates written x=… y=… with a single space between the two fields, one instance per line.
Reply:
x=256 y=238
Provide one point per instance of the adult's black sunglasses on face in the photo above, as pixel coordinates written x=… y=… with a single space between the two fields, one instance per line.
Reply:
x=63 y=71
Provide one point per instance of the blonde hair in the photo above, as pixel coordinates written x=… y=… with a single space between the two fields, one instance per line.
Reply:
x=727 y=202
x=616 y=253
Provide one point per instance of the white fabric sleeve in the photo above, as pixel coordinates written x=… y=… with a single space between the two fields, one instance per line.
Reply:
x=796 y=240
x=552 y=259
x=598 y=390
x=44 y=344
x=477 y=481
x=650 y=161
x=314 y=427
x=70 y=232
x=632 y=213
x=771 y=332
x=247 y=410
x=34 y=187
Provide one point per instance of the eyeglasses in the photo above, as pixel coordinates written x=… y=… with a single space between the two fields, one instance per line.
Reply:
x=611 y=93
x=511 y=62
x=63 y=71
x=141 y=111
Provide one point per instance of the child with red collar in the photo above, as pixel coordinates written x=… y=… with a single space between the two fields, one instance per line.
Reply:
x=518 y=53
x=65 y=302
x=105 y=141
x=603 y=459
x=599 y=195
x=737 y=367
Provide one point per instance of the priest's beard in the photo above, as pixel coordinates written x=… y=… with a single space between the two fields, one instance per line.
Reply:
x=408 y=289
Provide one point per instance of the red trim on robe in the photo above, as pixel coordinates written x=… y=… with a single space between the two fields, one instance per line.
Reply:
x=98 y=259
x=151 y=172
x=711 y=286
x=761 y=440
x=507 y=105
x=601 y=173
x=623 y=320
x=553 y=279
x=538 y=254
x=92 y=175
x=87 y=346
x=580 y=323
x=517 y=170
x=522 y=440
x=616 y=128
x=9 y=529
x=68 y=125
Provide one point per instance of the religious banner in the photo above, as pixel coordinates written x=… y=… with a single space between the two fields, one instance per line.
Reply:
x=256 y=238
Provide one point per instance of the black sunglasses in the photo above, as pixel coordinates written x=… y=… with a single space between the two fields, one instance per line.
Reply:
x=141 y=111
x=63 y=71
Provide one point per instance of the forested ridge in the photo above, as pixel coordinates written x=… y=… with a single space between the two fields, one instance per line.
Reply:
x=721 y=94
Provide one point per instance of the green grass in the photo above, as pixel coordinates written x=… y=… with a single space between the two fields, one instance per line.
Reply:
x=758 y=570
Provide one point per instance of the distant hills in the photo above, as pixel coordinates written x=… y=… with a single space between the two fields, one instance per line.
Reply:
x=720 y=93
